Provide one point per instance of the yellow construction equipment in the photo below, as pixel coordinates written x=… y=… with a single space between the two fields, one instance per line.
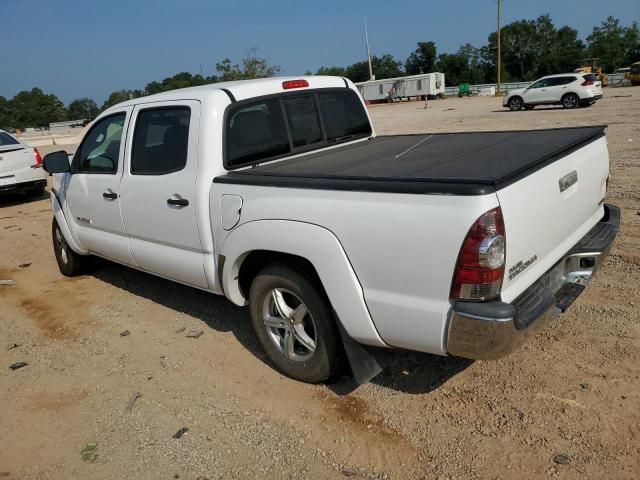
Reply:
x=592 y=65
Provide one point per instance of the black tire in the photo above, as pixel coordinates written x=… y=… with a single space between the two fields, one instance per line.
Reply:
x=318 y=324
x=515 y=103
x=529 y=107
x=35 y=192
x=570 y=100
x=70 y=263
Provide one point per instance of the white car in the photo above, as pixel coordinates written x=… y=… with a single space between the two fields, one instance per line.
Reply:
x=20 y=167
x=570 y=90
x=277 y=194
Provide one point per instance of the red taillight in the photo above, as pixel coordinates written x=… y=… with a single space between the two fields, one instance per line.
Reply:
x=287 y=84
x=587 y=83
x=38 y=163
x=480 y=266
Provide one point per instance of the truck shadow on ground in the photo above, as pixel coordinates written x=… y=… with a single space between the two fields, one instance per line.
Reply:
x=405 y=371
x=408 y=372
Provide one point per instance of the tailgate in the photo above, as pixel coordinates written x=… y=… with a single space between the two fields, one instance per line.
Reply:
x=549 y=211
x=14 y=157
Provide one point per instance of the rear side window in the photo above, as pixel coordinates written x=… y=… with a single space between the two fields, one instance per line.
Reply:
x=160 y=141
x=270 y=128
x=6 y=139
x=565 y=80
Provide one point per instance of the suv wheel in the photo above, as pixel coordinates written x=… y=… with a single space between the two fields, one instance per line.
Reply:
x=515 y=104
x=294 y=324
x=570 y=100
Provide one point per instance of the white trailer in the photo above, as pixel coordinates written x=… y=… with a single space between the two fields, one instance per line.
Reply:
x=425 y=84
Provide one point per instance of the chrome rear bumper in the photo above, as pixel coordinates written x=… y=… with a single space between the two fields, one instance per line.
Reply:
x=491 y=330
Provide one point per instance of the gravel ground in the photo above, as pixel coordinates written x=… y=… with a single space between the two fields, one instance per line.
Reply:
x=94 y=403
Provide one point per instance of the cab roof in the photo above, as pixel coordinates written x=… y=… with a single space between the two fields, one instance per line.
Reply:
x=240 y=90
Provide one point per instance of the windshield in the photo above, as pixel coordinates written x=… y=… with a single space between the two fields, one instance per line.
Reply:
x=273 y=127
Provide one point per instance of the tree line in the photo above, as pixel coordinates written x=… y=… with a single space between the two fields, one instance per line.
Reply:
x=529 y=49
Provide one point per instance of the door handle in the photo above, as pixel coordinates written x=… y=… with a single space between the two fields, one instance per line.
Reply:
x=178 y=202
x=109 y=195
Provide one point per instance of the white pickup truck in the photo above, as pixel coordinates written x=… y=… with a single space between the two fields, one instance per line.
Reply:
x=277 y=194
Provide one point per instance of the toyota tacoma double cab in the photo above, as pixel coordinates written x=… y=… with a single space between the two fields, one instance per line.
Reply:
x=277 y=194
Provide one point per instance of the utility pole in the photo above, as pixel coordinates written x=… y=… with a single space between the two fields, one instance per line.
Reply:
x=366 y=36
x=498 y=62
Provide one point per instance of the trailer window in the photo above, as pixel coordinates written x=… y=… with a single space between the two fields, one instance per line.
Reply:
x=269 y=128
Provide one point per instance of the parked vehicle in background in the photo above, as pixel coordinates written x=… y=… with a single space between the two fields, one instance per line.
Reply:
x=20 y=167
x=277 y=194
x=569 y=90
x=634 y=74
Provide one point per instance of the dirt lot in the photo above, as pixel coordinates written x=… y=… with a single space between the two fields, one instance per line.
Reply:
x=566 y=405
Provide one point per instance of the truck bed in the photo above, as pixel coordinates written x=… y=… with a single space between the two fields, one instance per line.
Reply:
x=468 y=163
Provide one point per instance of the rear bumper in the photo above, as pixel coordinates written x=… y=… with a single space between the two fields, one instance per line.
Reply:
x=19 y=187
x=491 y=330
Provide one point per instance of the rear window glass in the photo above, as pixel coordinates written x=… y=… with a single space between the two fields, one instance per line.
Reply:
x=343 y=114
x=6 y=139
x=273 y=127
x=590 y=76
x=256 y=131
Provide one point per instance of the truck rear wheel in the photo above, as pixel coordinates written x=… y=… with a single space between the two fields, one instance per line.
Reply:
x=70 y=263
x=294 y=323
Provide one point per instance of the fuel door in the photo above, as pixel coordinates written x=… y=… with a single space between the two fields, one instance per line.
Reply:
x=231 y=207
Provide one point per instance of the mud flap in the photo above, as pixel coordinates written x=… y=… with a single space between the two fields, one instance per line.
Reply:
x=364 y=366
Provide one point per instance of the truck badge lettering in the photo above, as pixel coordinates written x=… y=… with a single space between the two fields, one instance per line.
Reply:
x=520 y=267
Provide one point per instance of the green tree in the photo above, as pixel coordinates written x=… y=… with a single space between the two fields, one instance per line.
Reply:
x=5 y=113
x=36 y=109
x=385 y=66
x=120 y=96
x=533 y=48
x=616 y=46
x=332 y=71
x=464 y=66
x=422 y=60
x=83 y=108
x=179 y=80
x=251 y=66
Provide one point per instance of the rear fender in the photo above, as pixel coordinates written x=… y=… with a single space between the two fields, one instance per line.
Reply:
x=319 y=246
x=64 y=226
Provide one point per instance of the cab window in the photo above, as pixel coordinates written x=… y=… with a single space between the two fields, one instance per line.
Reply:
x=540 y=83
x=100 y=150
x=161 y=141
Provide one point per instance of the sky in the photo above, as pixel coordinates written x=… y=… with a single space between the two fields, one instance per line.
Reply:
x=90 y=48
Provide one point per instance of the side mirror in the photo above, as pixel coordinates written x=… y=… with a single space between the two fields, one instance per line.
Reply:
x=56 y=162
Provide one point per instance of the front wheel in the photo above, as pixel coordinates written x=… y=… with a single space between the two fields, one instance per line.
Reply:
x=515 y=104
x=294 y=323
x=70 y=263
x=570 y=100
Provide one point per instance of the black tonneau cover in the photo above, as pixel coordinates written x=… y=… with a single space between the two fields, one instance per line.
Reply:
x=468 y=163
